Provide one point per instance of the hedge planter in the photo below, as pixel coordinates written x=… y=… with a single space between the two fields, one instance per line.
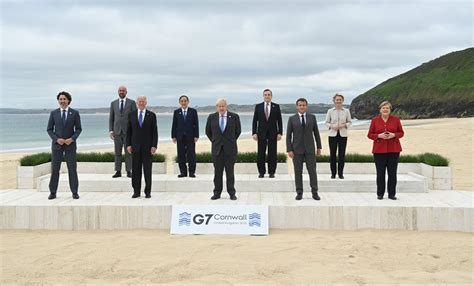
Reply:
x=239 y=168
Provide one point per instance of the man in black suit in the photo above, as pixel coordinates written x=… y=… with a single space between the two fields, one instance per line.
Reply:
x=223 y=129
x=64 y=127
x=142 y=141
x=185 y=133
x=267 y=129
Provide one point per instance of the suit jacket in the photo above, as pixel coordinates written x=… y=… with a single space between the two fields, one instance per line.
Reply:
x=57 y=130
x=118 y=121
x=301 y=140
x=143 y=137
x=377 y=126
x=188 y=127
x=226 y=141
x=261 y=126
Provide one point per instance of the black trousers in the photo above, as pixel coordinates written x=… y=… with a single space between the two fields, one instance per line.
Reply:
x=262 y=157
x=386 y=162
x=337 y=143
x=71 y=162
x=141 y=160
x=186 y=154
x=222 y=162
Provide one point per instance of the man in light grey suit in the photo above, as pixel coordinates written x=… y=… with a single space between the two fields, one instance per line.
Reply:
x=302 y=130
x=118 y=122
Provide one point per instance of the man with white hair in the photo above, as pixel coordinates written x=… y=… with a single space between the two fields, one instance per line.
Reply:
x=223 y=129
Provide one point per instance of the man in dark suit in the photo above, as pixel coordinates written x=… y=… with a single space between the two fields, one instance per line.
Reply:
x=64 y=127
x=223 y=129
x=302 y=130
x=118 y=122
x=185 y=133
x=267 y=129
x=142 y=141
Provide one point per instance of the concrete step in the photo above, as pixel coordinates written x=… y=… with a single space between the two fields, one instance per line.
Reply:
x=407 y=183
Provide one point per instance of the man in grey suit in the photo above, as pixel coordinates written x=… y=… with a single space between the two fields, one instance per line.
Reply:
x=64 y=127
x=223 y=129
x=302 y=130
x=118 y=122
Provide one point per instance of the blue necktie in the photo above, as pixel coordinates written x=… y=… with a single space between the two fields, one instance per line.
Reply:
x=184 y=115
x=222 y=123
x=140 y=119
x=63 y=117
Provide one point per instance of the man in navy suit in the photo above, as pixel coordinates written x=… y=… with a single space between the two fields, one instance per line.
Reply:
x=185 y=134
x=64 y=127
x=267 y=129
x=142 y=141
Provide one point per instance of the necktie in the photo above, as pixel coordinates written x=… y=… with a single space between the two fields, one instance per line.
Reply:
x=267 y=113
x=222 y=123
x=63 y=117
x=303 y=123
x=184 y=115
x=140 y=119
x=121 y=106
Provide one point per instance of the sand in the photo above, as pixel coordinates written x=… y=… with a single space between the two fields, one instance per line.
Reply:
x=286 y=257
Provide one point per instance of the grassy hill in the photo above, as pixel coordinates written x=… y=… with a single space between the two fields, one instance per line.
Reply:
x=443 y=87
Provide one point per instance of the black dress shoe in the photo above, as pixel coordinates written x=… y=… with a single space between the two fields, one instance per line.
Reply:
x=379 y=197
x=392 y=198
x=134 y=196
x=233 y=197
x=261 y=175
x=147 y=196
x=316 y=197
x=129 y=174
x=341 y=177
x=182 y=175
x=75 y=196
x=192 y=175
x=299 y=197
x=215 y=197
x=272 y=175
x=117 y=174
x=333 y=176
x=51 y=196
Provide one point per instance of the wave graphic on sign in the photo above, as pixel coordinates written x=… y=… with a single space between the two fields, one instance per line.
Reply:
x=184 y=219
x=254 y=219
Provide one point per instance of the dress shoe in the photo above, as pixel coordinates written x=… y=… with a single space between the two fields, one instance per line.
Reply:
x=379 y=197
x=316 y=197
x=134 y=196
x=233 y=197
x=117 y=174
x=129 y=174
x=182 y=175
x=51 y=196
x=147 y=196
x=333 y=176
x=261 y=175
x=215 y=197
x=192 y=175
x=341 y=177
x=75 y=196
x=392 y=198
x=299 y=197
x=272 y=175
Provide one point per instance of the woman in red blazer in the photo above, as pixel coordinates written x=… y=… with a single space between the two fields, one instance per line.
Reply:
x=386 y=130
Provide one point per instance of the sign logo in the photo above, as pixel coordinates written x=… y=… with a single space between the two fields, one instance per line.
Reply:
x=184 y=219
x=255 y=219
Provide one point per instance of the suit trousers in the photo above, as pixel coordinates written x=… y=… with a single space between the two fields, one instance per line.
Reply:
x=386 y=162
x=141 y=160
x=186 y=153
x=222 y=162
x=337 y=143
x=71 y=162
x=119 y=144
x=310 y=166
x=271 y=158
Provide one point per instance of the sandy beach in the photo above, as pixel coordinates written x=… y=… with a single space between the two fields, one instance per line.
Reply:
x=286 y=257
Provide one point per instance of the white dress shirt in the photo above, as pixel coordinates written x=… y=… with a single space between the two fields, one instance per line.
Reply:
x=67 y=112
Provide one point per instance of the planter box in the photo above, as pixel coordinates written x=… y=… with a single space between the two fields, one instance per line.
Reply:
x=364 y=168
x=27 y=176
x=240 y=168
x=439 y=178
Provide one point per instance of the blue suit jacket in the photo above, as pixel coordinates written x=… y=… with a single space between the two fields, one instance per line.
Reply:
x=57 y=130
x=188 y=127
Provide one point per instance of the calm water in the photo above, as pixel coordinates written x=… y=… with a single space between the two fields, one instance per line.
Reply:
x=27 y=132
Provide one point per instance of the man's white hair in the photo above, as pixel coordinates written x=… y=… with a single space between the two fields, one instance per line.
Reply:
x=221 y=100
x=141 y=96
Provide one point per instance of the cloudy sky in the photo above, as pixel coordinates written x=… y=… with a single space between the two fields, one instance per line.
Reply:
x=217 y=49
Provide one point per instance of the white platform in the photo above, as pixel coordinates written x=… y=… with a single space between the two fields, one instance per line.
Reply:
x=436 y=210
x=407 y=183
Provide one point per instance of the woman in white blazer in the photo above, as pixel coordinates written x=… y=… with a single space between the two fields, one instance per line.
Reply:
x=338 y=119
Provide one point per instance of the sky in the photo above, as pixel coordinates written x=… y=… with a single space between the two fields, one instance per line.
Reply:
x=218 y=49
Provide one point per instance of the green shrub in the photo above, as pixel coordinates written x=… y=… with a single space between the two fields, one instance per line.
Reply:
x=35 y=159
x=41 y=158
x=434 y=159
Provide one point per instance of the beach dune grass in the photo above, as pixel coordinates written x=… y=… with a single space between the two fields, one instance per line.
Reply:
x=41 y=158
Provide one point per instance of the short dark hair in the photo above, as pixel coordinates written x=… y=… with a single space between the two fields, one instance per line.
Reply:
x=302 y=99
x=267 y=89
x=187 y=98
x=66 y=94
